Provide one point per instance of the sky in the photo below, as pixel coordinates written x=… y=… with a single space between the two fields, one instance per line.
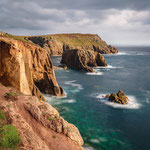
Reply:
x=118 y=22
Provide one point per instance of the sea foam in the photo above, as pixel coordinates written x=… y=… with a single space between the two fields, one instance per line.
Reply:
x=132 y=104
x=108 y=67
x=95 y=73
x=88 y=148
x=77 y=87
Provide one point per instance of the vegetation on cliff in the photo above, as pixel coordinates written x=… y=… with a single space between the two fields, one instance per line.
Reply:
x=27 y=123
x=56 y=44
x=9 y=137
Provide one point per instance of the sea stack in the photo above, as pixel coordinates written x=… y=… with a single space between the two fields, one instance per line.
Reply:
x=82 y=59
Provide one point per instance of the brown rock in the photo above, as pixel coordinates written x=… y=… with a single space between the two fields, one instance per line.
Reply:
x=119 y=97
x=82 y=59
x=38 y=123
x=28 y=68
x=56 y=44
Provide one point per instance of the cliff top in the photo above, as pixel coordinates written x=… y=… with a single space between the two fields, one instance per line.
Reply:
x=18 y=38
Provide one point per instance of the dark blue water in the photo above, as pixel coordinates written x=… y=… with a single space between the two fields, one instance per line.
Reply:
x=102 y=124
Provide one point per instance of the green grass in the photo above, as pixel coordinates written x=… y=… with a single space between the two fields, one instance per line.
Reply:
x=2 y=115
x=19 y=38
x=9 y=137
x=8 y=95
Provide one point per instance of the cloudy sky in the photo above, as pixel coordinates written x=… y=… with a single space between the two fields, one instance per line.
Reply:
x=119 y=22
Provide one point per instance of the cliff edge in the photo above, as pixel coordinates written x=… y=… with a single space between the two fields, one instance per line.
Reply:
x=56 y=44
x=27 y=68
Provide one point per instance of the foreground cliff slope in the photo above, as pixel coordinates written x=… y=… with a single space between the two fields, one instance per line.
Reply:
x=26 y=72
x=38 y=124
x=56 y=44
x=27 y=67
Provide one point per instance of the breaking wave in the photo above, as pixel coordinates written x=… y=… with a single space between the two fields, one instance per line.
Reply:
x=132 y=104
x=95 y=73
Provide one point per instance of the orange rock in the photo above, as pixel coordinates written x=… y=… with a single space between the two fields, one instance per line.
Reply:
x=28 y=68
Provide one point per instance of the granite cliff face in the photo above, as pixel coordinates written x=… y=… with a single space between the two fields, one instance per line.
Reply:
x=27 y=68
x=58 y=43
x=39 y=125
x=82 y=59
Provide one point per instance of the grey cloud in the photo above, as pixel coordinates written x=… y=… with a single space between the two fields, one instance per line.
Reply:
x=32 y=17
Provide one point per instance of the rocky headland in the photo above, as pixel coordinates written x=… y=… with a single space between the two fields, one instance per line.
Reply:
x=82 y=59
x=56 y=44
x=26 y=71
x=119 y=97
x=28 y=68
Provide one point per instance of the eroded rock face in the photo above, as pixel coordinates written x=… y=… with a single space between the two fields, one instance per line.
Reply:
x=58 y=43
x=119 y=97
x=82 y=59
x=28 y=68
x=38 y=123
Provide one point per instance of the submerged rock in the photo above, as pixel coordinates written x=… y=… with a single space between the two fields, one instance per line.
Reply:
x=83 y=59
x=119 y=97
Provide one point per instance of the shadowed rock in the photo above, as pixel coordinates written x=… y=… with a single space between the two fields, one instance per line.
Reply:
x=82 y=59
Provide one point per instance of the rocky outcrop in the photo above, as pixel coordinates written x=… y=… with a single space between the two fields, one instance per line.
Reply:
x=119 y=97
x=38 y=123
x=82 y=59
x=58 y=43
x=27 y=68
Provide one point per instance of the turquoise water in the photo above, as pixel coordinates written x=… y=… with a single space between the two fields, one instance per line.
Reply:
x=102 y=124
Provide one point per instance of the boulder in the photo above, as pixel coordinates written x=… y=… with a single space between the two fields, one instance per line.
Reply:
x=119 y=97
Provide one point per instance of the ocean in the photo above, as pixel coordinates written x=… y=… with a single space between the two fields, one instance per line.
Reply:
x=105 y=125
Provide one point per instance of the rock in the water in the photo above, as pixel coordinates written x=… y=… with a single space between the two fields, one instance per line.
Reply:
x=82 y=59
x=119 y=97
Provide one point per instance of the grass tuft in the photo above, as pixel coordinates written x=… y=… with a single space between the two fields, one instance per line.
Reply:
x=9 y=137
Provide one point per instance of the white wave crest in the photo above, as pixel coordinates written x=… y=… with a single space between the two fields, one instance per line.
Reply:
x=88 y=148
x=132 y=104
x=95 y=73
x=68 y=101
x=108 y=67
x=77 y=87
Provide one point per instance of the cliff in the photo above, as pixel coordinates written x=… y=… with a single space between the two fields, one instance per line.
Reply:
x=82 y=59
x=29 y=124
x=27 y=68
x=56 y=44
